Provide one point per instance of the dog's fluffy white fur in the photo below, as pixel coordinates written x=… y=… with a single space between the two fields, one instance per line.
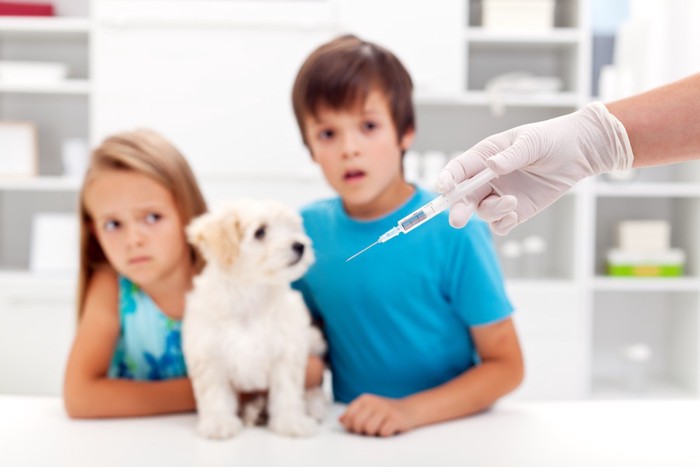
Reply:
x=244 y=328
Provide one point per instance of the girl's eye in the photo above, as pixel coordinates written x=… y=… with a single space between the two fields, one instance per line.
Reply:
x=110 y=225
x=325 y=134
x=153 y=217
x=260 y=233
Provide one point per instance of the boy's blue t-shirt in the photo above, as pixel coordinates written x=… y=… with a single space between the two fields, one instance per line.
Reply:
x=397 y=317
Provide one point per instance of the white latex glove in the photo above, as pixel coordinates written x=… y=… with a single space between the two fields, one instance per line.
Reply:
x=537 y=163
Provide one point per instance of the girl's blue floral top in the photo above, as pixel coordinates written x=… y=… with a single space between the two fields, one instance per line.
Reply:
x=149 y=345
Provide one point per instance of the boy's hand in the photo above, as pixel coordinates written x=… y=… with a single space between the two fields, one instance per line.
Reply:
x=377 y=416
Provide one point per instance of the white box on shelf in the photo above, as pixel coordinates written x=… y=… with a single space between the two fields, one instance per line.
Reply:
x=518 y=15
x=646 y=235
x=54 y=243
x=19 y=148
x=26 y=72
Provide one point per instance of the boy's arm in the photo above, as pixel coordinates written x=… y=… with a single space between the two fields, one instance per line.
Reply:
x=88 y=393
x=500 y=371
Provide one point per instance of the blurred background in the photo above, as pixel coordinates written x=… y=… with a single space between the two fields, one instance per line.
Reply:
x=606 y=282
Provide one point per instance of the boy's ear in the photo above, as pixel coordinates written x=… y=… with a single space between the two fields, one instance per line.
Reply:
x=407 y=139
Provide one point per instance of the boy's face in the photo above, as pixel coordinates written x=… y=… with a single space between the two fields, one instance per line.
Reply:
x=360 y=155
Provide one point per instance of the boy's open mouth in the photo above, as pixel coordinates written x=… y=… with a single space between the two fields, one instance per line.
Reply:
x=351 y=175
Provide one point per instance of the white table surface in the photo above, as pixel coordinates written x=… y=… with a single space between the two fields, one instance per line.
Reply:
x=35 y=431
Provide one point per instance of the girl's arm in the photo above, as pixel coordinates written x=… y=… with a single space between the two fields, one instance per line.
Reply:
x=315 y=367
x=87 y=392
x=500 y=371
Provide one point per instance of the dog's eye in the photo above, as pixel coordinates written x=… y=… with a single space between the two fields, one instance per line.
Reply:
x=260 y=233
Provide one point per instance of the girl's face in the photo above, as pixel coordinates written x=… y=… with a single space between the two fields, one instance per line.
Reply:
x=137 y=225
x=360 y=155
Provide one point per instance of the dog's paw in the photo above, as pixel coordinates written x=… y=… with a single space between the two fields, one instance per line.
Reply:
x=219 y=427
x=294 y=425
x=317 y=403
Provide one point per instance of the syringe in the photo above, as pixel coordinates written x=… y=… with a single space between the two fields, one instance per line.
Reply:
x=422 y=215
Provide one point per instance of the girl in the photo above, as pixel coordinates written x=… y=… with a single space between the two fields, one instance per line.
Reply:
x=135 y=269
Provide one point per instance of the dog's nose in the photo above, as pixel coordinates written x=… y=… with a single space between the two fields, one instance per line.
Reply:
x=298 y=248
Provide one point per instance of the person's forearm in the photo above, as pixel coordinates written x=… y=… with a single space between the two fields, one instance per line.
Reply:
x=315 y=368
x=662 y=124
x=473 y=391
x=105 y=398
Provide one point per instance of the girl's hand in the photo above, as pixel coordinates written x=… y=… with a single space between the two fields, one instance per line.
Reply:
x=377 y=416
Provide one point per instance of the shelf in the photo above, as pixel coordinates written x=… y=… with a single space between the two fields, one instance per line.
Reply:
x=655 y=389
x=56 y=25
x=647 y=190
x=72 y=86
x=557 y=36
x=539 y=285
x=21 y=281
x=33 y=184
x=481 y=98
x=644 y=284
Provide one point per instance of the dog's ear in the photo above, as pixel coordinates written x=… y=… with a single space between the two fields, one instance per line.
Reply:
x=217 y=236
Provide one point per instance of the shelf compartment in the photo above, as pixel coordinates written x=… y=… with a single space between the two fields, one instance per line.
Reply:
x=17 y=209
x=455 y=128
x=57 y=117
x=665 y=323
x=683 y=213
x=557 y=227
x=567 y=13
x=35 y=45
x=488 y=60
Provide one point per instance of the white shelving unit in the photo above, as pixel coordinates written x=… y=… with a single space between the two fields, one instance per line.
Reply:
x=59 y=111
x=573 y=320
x=662 y=313
x=37 y=311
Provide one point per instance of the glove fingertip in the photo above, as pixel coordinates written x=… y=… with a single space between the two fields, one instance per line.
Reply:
x=507 y=161
x=503 y=226
x=445 y=181
x=460 y=213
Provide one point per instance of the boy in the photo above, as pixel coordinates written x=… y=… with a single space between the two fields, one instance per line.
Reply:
x=411 y=342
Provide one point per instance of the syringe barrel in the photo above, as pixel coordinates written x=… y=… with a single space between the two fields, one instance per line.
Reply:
x=442 y=202
x=424 y=214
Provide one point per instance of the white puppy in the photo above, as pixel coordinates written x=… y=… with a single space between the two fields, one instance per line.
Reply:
x=244 y=328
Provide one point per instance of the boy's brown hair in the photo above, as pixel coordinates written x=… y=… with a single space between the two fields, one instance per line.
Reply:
x=341 y=73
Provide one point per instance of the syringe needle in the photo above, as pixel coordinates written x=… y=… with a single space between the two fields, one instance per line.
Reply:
x=361 y=251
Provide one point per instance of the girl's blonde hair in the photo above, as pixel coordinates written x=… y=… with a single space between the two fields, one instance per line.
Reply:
x=148 y=153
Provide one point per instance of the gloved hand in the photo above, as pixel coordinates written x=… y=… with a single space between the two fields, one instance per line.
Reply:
x=537 y=163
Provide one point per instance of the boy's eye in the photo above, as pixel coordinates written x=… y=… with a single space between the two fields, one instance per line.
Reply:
x=153 y=217
x=369 y=126
x=260 y=232
x=325 y=134
x=110 y=225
